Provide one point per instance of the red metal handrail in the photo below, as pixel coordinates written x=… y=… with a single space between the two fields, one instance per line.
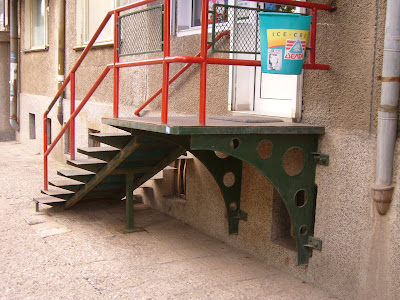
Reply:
x=68 y=79
x=179 y=73
x=201 y=59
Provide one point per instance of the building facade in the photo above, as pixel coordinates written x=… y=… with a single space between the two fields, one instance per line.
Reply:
x=359 y=258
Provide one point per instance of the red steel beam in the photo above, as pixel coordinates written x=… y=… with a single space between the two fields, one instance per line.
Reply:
x=73 y=70
x=313 y=35
x=316 y=67
x=78 y=109
x=167 y=53
x=45 y=160
x=60 y=90
x=203 y=67
x=116 y=70
x=179 y=73
x=72 y=126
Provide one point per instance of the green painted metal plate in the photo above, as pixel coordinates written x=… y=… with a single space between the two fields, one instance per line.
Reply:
x=188 y=125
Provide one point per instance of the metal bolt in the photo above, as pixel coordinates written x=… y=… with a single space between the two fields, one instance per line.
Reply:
x=233 y=206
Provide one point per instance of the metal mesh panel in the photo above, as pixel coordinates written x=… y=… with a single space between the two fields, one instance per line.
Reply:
x=241 y=23
x=141 y=32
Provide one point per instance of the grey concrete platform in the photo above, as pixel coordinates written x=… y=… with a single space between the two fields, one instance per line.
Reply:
x=81 y=253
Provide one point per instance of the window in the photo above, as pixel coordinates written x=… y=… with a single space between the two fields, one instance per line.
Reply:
x=189 y=15
x=36 y=20
x=90 y=14
x=3 y=15
x=32 y=126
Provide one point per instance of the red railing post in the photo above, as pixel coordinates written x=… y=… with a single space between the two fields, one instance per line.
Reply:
x=313 y=35
x=116 y=70
x=45 y=163
x=167 y=53
x=179 y=73
x=203 y=68
x=72 y=124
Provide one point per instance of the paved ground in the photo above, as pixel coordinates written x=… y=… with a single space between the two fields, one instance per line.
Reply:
x=80 y=253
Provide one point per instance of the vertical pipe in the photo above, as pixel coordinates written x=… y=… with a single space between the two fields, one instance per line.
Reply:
x=61 y=58
x=313 y=35
x=72 y=124
x=167 y=52
x=382 y=190
x=203 y=67
x=116 y=70
x=14 y=65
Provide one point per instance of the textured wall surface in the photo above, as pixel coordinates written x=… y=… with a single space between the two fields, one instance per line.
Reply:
x=6 y=132
x=39 y=67
x=358 y=259
x=351 y=41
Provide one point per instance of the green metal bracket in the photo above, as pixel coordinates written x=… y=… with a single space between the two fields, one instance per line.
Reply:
x=321 y=159
x=227 y=172
x=241 y=215
x=270 y=153
x=286 y=156
x=314 y=243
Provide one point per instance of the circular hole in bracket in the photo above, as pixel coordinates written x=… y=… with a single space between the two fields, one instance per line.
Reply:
x=293 y=161
x=264 y=149
x=235 y=142
x=300 y=198
x=221 y=155
x=229 y=179
x=303 y=230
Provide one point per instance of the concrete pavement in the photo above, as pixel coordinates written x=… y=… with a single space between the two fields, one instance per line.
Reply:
x=81 y=253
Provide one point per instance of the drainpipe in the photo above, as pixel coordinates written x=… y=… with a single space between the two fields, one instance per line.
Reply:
x=61 y=58
x=13 y=65
x=382 y=190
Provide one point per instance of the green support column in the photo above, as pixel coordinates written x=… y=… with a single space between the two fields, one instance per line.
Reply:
x=129 y=203
x=227 y=172
x=129 y=188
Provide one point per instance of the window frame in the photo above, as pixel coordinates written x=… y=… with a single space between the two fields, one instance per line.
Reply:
x=83 y=34
x=5 y=19
x=182 y=17
x=29 y=30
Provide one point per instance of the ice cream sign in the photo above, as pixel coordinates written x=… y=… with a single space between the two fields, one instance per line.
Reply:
x=292 y=41
x=283 y=42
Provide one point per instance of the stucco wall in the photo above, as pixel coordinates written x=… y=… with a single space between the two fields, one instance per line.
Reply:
x=39 y=67
x=351 y=41
x=6 y=132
